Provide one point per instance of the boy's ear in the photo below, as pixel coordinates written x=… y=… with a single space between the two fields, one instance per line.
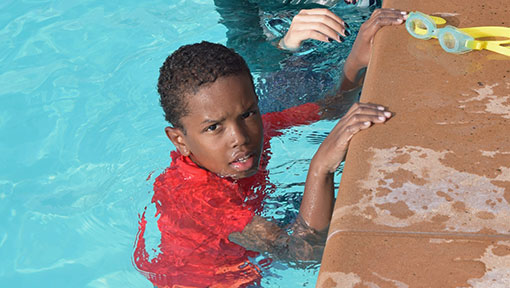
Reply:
x=176 y=135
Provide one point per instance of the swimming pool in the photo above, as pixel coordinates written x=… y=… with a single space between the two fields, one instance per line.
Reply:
x=81 y=129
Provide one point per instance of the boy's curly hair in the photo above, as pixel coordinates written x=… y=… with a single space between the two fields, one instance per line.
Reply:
x=190 y=67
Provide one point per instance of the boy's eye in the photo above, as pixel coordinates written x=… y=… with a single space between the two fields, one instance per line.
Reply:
x=247 y=114
x=211 y=127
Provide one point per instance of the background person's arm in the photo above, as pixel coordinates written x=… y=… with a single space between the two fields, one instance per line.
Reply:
x=246 y=36
x=318 y=24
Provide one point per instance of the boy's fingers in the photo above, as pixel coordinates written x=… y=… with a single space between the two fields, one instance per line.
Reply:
x=360 y=107
x=382 y=14
x=387 y=21
x=372 y=118
x=388 y=12
x=351 y=130
x=380 y=22
x=358 y=123
x=370 y=111
x=362 y=120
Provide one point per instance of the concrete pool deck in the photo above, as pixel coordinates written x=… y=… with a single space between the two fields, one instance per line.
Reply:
x=425 y=198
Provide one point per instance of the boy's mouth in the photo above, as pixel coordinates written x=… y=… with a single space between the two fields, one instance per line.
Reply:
x=243 y=162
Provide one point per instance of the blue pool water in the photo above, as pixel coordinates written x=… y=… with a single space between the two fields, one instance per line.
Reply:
x=81 y=129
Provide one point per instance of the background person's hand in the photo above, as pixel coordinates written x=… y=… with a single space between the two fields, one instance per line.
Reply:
x=319 y=24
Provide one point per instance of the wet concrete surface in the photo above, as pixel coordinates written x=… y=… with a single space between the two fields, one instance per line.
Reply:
x=425 y=198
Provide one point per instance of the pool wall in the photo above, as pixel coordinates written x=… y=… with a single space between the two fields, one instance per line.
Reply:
x=425 y=198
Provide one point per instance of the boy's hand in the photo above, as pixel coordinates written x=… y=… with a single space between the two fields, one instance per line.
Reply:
x=319 y=24
x=362 y=47
x=332 y=151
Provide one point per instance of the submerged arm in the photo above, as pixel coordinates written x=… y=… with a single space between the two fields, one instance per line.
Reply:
x=295 y=242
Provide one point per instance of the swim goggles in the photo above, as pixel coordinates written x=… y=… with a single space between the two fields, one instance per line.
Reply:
x=458 y=40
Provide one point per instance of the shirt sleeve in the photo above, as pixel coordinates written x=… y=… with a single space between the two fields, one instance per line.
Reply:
x=300 y=115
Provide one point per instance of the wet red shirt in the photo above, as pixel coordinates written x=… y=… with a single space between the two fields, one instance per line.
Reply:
x=198 y=210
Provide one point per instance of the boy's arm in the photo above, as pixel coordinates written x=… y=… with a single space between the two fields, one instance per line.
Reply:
x=309 y=230
x=334 y=106
x=318 y=198
x=262 y=235
x=361 y=51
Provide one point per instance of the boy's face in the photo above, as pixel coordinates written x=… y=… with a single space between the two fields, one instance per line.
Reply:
x=223 y=128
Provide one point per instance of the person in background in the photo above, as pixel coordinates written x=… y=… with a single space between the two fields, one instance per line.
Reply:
x=295 y=49
x=210 y=198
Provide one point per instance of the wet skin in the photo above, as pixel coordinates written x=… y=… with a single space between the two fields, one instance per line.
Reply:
x=223 y=129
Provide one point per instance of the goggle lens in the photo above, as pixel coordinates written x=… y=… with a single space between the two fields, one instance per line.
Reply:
x=454 y=40
x=449 y=40
x=419 y=27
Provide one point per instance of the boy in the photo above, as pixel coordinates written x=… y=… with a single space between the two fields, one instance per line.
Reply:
x=207 y=200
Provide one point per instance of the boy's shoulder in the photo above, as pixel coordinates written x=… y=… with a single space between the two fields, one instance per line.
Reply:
x=298 y=115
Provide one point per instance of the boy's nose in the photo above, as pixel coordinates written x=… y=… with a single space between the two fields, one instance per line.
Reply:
x=239 y=136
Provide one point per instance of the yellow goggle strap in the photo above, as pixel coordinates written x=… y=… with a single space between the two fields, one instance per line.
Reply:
x=438 y=20
x=486 y=32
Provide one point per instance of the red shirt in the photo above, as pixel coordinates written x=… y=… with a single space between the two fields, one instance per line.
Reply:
x=198 y=210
